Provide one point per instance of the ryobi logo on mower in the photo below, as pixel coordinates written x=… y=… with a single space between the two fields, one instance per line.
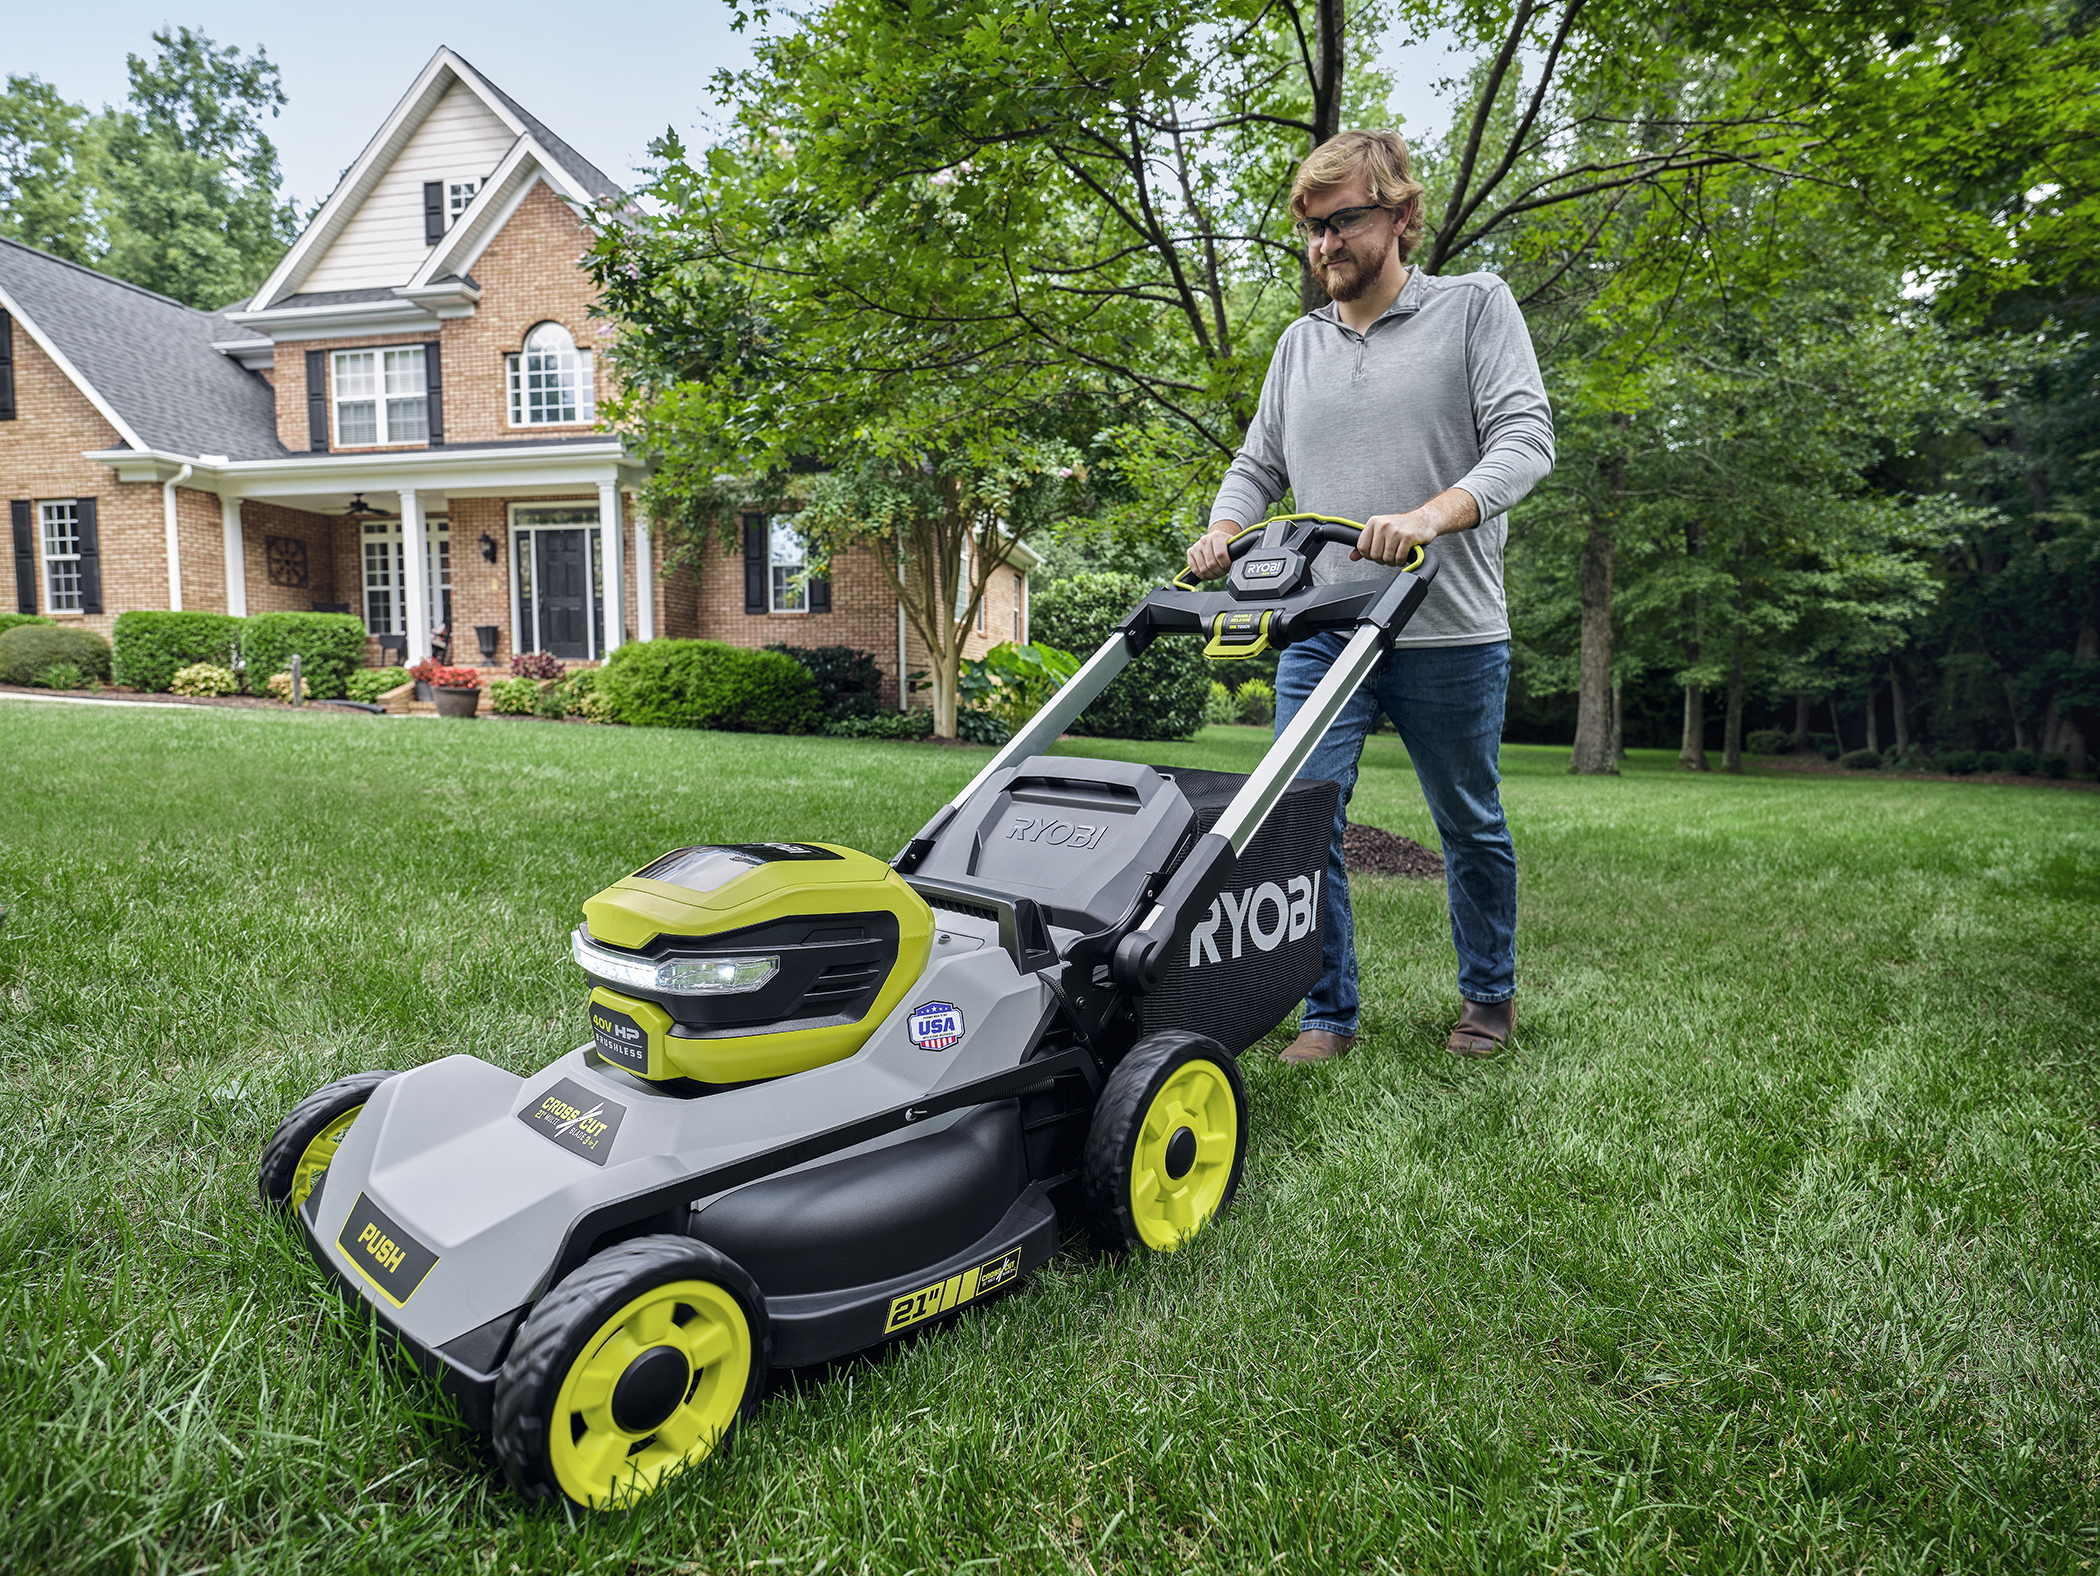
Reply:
x=393 y=1261
x=1245 y=911
x=1058 y=834
x=936 y=1025
x=953 y=1292
x=581 y=1122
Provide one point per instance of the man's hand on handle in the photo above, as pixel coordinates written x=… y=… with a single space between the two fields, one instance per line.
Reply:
x=1208 y=559
x=1387 y=538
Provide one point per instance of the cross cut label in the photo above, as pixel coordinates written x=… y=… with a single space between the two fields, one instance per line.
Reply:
x=581 y=1122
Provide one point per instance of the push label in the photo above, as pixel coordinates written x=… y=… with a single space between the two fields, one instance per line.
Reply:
x=388 y=1257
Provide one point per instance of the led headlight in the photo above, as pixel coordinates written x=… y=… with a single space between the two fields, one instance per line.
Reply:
x=673 y=976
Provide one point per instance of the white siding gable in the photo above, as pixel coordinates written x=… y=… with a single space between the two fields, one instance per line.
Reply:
x=382 y=244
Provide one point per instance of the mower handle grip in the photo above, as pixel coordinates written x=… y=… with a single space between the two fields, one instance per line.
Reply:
x=1326 y=528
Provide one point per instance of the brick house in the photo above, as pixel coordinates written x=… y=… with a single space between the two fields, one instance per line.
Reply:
x=400 y=424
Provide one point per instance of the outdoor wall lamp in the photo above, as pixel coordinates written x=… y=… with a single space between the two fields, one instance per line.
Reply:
x=488 y=548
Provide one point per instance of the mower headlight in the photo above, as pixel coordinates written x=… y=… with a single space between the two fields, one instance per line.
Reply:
x=674 y=976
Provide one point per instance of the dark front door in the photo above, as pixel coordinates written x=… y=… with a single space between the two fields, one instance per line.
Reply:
x=562 y=572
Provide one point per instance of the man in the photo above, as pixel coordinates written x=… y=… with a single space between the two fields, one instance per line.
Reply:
x=1414 y=405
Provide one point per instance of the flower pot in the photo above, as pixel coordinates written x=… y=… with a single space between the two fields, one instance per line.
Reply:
x=422 y=690
x=456 y=702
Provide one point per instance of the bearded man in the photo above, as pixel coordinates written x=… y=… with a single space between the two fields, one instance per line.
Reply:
x=1412 y=404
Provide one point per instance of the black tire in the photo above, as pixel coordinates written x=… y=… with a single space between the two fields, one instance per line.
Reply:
x=593 y=1454
x=1128 y=1202
x=289 y=1161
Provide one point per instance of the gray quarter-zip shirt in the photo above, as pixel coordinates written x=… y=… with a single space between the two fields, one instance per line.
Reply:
x=1444 y=391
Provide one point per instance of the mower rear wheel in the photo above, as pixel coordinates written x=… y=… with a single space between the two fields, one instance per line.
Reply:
x=1167 y=1143
x=306 y=1141
x=631 y=1370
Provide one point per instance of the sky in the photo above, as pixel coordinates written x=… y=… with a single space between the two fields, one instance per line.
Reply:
x=606 y=88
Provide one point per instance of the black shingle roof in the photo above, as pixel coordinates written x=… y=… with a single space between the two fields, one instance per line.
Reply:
x=596 y=180
x=148 y=356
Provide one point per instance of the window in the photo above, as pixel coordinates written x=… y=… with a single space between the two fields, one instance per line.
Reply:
x=550 y=382
x=386 y=575
x=459 y=191
x=380 y=397
x=787 y=591
x=61 y=522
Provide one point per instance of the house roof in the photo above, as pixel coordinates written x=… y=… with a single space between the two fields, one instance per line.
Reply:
x=584 y=172
x=145 y=360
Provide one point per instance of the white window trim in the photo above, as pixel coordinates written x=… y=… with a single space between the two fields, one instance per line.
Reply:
x=385 y=440
x=596 y=539
x=51 y=560
x=454 y=215
x=514 y=384
x=436 y=529
x=801 y=566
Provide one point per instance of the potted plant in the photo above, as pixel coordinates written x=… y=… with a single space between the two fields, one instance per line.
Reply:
x=456 y=691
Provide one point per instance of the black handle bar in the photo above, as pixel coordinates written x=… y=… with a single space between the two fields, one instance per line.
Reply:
x=1324 y=528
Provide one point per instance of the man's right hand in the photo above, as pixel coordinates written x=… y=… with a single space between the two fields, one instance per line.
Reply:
x=1208 y=557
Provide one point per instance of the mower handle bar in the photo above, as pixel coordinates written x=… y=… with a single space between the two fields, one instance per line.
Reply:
x=1269 y=533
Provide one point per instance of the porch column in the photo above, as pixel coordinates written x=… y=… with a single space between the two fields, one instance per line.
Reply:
x=644 y=580
x=609 y=532
x=415 y=564
x=236 y=557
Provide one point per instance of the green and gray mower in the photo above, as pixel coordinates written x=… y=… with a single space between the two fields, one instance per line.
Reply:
x=827 y=1099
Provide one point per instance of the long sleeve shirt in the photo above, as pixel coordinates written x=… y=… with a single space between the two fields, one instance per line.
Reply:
x=1444 y=391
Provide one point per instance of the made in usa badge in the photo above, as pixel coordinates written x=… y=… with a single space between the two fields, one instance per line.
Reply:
x=936 y=1025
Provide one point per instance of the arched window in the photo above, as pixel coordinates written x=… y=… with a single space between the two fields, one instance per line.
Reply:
x=550 y=381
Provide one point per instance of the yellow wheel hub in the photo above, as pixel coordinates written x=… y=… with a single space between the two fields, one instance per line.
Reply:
x=314 y=1160
x=1184 y=1153
x=652 y=1392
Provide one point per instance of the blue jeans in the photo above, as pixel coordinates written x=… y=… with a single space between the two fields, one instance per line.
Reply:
x=1447 y=702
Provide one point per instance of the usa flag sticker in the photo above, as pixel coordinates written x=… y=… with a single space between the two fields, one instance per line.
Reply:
x=936 y=1025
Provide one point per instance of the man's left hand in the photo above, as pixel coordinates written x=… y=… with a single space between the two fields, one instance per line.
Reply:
x=1393 y=538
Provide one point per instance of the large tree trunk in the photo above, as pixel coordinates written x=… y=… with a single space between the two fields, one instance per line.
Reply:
x=1618 y=722
x=1902 y=709
x=1732 y=734
x=1801 y=721
x=1595 y=754
x=2023 y=738
x=1691 y=754
x=1328 y=69
x=1873 y=720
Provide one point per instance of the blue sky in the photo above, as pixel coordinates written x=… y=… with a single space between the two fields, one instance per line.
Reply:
x=606 y=78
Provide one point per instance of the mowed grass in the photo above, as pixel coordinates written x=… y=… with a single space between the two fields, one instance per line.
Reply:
x=1774 y=1246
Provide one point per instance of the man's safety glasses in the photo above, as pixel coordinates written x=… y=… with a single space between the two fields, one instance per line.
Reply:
x=1345 y=221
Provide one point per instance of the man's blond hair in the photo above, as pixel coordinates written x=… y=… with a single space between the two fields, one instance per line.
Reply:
x=1380 y=157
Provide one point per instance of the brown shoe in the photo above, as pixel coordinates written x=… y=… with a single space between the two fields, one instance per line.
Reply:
x=1317 y=1045
x=1484 y=1028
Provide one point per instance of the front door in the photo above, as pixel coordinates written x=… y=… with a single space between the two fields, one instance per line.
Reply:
x=562 y=574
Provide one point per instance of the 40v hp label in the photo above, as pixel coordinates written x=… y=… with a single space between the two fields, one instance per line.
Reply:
x=953 y=1292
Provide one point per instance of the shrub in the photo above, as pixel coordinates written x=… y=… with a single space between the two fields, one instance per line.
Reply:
x=1860 y=760
x=884 y=725
x=1990 y=761
x=2055 y=765
x=552 y=702
x=368 y=684
x=1221 y=707
x=1919 y=761
x=1159 y=696
x=1767 y=741
x=28 y=649
x=279 y=686
x=849 y=684
x=514 y=697
x=1830 y=752
x=11 y=620
x=706 y=684
x=62 y=676
x=1959 y=763
x=150 y=648
x=204 y=678
x=1256 y=699
x=2022 y=761
x=534 y=665
x=330 y=647
x=980 y=727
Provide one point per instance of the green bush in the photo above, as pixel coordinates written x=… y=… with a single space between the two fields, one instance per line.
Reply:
x=28 y=649
x=2022 y=761
x=1990 y=761
x=1256 y=699
x=2055 y=765
x=151 y=648
x=1159 y=696
x=707 y=684
x=1221 y=707
x=513 y=697
x=62 y=676
x=368 y=684
x=973 y=726
x=330 y=647
x=1919 y=761
x=1767 y=741
x=1860 y=760
x=849 y=684
x=1959 y=763
x=204 y=678
x=884 y=725
x=11 y=620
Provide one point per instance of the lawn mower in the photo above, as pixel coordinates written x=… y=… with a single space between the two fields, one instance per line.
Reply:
x=829 y=1100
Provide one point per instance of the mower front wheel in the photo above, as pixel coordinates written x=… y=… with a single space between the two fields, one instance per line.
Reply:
x=306 y=1141
x=1167 y=1143
x=634 y=1368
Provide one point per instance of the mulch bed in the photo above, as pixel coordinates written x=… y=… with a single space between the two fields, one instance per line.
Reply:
x=1372 y=850
x=1822 y=768
x=112 y=692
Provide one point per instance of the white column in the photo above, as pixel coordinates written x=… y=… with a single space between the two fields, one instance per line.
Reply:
x=236 y=557
x=415 y=569
x=644 y=580
x=609 y=533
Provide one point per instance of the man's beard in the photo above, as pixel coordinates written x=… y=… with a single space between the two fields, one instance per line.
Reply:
x=1353 y=284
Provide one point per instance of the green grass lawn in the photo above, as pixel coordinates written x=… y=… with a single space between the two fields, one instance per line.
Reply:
x=1775 y=1245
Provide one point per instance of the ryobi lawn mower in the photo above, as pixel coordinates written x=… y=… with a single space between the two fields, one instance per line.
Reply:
x=827 y=1100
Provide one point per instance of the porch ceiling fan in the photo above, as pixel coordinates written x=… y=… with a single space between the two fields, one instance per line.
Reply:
x=360 y=510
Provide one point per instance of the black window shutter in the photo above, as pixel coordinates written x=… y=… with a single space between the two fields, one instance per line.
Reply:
x=317 y=399
x=433 y=212
x=434 y=388
x=755 y=577
x=90 y=556
x=7 y=367
x=22 y=513
x=820 y=594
